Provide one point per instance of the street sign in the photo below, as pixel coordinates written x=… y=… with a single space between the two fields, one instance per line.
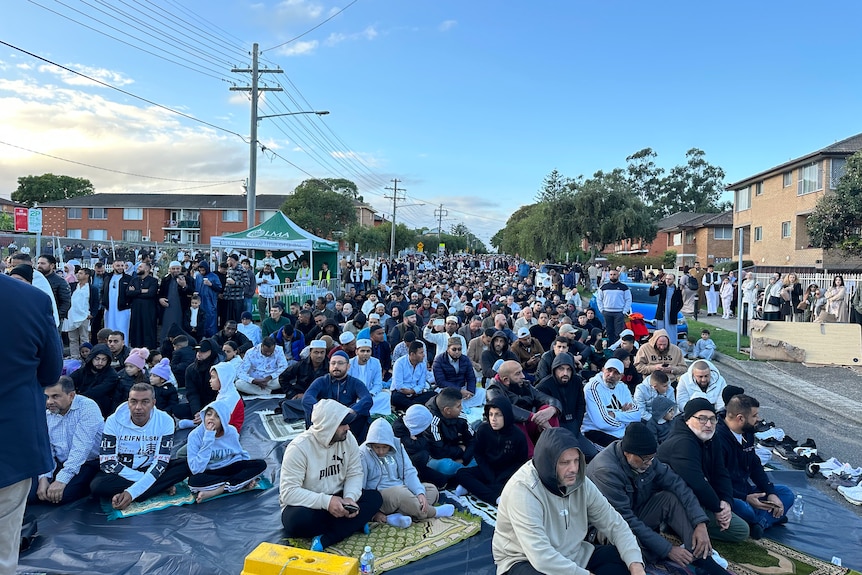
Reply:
x=441 y=248
x=20 y=219
x=34 y=220
x=420 y=246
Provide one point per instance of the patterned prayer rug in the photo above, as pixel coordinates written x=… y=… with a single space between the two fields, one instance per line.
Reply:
x=475 y=506
x=183 y=496
x=394 y=547
x=766 y=557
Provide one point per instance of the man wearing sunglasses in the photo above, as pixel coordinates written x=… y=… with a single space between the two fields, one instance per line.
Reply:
x=691 y=452
x=647 y=493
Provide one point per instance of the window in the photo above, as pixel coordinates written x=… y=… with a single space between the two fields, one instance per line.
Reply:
x=677 y=239
x=97 y=213
x=132 y=235
x=97 y=234
x=787 y=179
x=266 y=214
x=724 y=233
x=758 y=189
x=785 y=230
x=133 y=213
x=758 y=234
x=690 y=237
x=839 y=167
x=743 y=199
x=193 y=237
x=810 y=179
x=231 y=215
x=73 y=214
x=74 y=234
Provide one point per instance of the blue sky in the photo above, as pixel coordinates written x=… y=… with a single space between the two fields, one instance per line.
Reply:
x=468 y=103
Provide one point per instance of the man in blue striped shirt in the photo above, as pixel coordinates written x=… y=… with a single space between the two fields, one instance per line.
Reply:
x=75 y=430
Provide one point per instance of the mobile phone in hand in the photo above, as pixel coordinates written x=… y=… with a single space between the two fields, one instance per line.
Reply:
x=350 y=508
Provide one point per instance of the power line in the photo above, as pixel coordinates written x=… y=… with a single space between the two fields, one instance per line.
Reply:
x=313 y=28
x=126 y=92
x=214 y=182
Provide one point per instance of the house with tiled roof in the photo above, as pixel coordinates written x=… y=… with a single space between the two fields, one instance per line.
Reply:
x=772 y=207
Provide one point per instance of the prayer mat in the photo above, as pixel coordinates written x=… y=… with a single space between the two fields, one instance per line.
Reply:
x=394 y=547
x=278 y=429
x=183 y=496
x=766 y=557
x=475 y=506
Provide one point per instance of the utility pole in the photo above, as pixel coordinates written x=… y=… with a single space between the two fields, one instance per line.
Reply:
x=394 y=197
x=440 y=214
x=255 y=72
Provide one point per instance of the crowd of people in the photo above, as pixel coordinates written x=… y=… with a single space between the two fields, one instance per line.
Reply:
x=459 y=373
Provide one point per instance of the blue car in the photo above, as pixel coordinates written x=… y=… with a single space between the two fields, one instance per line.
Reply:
x=645 y=304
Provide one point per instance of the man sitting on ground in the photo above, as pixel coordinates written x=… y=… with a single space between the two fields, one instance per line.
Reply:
x=320 y=490
x=647 y=493
x=75 y=430
x=660 y=354
x=534 y=410
x=545 y=512
x=135 y=457
x=454 y=369
x=693 y=455
x=756 y=499
x=345 y=389
x=410 y=378
x=701 y=380
x=258 y=373
x=610 y=407
x=230 y=332
x=567 y=387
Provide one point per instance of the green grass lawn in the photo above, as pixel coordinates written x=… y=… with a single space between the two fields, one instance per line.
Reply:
x=724 y=340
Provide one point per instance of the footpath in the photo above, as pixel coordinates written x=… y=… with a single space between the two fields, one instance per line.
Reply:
x=835 y=389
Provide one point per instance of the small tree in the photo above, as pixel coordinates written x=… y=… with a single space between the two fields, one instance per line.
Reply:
x=836 y=221
x=50 y=188
x=668 y=258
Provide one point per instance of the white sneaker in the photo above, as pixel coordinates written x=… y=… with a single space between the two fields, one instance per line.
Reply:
x=829 y=466
x=719 y=559
x=852 y=494
x=772 y=433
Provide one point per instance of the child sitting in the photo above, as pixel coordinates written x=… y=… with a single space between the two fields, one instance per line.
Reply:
x=663 y=410
x=134 y=372
x=450 y=439
x=704 y=348
x=409 y=429
x=646 y=393
x=216 y=458
x=388 y=469
x=161 y=378
x=222 y=376
x=501 y=448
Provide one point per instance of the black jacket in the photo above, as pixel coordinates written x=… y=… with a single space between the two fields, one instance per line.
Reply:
x=499 y=454
x=675 y=302
x=742 y=463
x=198 y=390
x=62 y=293
x=525 y=399
x=239 y=338
x=699 y=463
x=490 y=357
x=446 y=435
x=298 y=377
x=122 y=304
x=100 y=386
x=570 y=395
x=628 y=492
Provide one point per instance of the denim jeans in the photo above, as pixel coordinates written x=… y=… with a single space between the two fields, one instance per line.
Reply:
x=760 y=516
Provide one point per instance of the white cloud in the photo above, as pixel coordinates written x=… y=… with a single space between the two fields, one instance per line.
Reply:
x=335 y=38
x=103 y=74
x=298 y=48
x=447 y=25
x=298 y=9
x=24 y=66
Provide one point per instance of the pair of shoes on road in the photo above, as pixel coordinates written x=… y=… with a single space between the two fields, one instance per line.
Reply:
x=784 y=448
x=832 y=467
x=763 y=426
x=852 y=494
x=804 y=455
x=770 y=437
x=841 y=480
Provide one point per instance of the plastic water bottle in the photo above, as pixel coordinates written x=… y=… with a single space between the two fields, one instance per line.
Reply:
x=366 y=562
x=798 y=508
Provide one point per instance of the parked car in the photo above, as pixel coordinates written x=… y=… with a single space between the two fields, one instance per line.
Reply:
x=645 y=304
x=543 y=276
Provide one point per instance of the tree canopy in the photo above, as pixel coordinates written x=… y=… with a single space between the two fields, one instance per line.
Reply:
x=34 y=190
x=836 y=221
x=316 y=208
x=339 y=185
x=610 y=206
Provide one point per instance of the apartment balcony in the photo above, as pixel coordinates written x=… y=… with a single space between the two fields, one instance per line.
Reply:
x=182 y=225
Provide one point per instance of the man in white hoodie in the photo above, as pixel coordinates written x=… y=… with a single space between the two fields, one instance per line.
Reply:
x=320 y=491
x=701 y=380
x=135 y=456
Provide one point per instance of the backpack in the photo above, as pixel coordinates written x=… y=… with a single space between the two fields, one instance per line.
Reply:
x=693 y=284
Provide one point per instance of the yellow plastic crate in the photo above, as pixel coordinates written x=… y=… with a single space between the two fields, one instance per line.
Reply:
x=272 y=559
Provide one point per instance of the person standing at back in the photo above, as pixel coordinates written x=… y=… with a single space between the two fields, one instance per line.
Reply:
x=34 y=361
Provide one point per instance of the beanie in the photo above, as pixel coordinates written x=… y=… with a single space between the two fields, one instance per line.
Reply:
x=729 y=391
x=417 y=419
x=409 y=312
x=639 y=440
x=138 y=357
x=23 y=270
x=622 y=354
x=695 y=405
x=340 y=353
x=162 y=369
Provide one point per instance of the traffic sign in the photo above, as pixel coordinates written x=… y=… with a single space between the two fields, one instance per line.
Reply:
x=420 y=246
x=34 y=220
x=21 y=219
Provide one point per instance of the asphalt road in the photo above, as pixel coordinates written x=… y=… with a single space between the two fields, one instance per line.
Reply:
x=803 y=418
